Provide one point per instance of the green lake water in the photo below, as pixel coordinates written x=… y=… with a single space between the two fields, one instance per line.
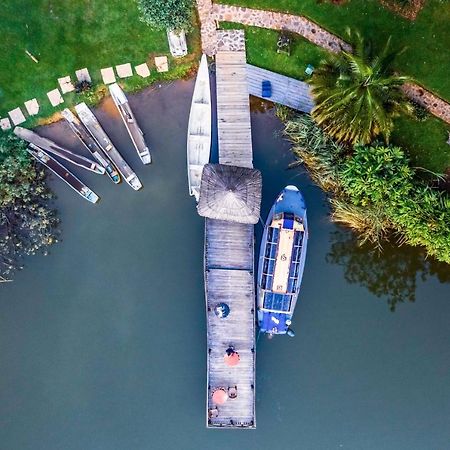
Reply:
x=103 y=342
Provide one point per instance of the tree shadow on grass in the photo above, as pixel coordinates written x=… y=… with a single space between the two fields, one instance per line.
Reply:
x=391 y=273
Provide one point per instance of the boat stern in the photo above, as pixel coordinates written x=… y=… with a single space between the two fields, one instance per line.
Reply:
x=274 y=323
x=135 y=183
x=145 y=156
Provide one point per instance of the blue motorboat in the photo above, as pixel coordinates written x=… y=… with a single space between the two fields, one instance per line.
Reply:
x=281 y=262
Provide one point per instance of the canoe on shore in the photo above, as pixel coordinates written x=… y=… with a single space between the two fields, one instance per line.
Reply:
x=199 y=129
x=63 y=173
x=93 y=126
x=51 y=147
x=91 y=146
x=135 y=133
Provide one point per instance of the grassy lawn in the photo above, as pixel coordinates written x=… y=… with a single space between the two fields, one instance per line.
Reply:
x=427 y=38
x=261 y=51
x=68 y=35
x=424 y=141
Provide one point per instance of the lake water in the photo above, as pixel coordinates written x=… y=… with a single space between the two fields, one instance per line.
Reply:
x=102 y=343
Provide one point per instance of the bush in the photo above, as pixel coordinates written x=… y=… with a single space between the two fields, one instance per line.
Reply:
x=82 y=86
x=377 y=192
x=27 y=224
x=167 y=14
x=316 y=150
x=376 y=175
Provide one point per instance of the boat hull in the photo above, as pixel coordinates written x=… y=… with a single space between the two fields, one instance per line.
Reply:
x=91 y=123
x=199 y=129
x=281 y=262
x=91 y=146
x=129 y=120
x=62 y=173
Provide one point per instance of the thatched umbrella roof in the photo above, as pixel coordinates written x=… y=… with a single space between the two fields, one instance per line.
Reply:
x=230 y=193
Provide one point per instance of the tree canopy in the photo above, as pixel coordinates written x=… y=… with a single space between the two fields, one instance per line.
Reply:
x=27 y=223
x=167 y=14
x=357 y=94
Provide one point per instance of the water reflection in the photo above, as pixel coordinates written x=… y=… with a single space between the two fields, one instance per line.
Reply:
x=391 y=273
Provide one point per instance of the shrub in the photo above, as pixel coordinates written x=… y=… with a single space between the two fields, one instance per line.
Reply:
x=27 y=224
x=166 y=14
x=376 y=175
x=316 y=150
x=377 y=193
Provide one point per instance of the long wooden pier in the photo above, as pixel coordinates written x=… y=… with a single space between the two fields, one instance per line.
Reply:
x=229 y=257
x=285 y=90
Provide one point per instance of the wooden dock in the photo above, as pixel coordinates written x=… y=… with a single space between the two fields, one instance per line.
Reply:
x=285 y=90
x=229 y=258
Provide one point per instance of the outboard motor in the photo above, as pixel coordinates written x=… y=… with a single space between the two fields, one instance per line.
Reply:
x=290 y=332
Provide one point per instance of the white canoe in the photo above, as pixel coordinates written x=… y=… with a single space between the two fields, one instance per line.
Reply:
x=135 y=133
x=199 y=129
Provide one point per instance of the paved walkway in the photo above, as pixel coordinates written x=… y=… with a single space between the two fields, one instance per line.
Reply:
x=210 y=13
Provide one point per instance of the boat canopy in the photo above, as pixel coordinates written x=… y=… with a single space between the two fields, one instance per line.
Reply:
x=282 y=287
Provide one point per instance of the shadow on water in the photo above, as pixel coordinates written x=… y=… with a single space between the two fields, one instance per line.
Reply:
x=390 y=273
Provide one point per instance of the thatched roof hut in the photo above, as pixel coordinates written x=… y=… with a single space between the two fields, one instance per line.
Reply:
x=230 y=193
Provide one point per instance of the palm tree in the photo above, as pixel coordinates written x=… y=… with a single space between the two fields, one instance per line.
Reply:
x=357 y=95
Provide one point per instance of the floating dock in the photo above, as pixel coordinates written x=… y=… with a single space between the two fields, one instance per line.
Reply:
x=51 y=147
x=93 y=126
x=285 y=90
x=229 y=259
x=135 y=133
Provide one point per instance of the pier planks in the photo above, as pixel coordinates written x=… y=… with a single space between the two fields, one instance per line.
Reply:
x=285 y=91
x=229 y=259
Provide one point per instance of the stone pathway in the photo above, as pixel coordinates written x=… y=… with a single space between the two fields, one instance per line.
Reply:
x=55 y=98
x=210 y=14
x=438 y=107
x=207 y=26
x=124 y=70
x=280 y=21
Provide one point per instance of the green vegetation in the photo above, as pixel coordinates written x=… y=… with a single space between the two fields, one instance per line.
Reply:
x=426 y=39
x=27 y=224
x=357 y=97
x=167 y=14
x=262 y=51
x=424 y=141
x=66 y=36
x=376 y=191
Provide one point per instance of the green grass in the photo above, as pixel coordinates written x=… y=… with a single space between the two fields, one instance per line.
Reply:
x=427 y=38
x=69 y=35
x=425 y=142
x=261 y=51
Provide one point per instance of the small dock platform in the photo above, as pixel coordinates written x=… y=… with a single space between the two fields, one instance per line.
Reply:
x=285 y=90
x=229 y=259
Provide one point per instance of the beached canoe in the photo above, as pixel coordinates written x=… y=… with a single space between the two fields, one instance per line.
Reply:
x=90 y=144
x=199 y=129
x=51 y=147
x=93 y=126
x=63 y=173
x=135 y=133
